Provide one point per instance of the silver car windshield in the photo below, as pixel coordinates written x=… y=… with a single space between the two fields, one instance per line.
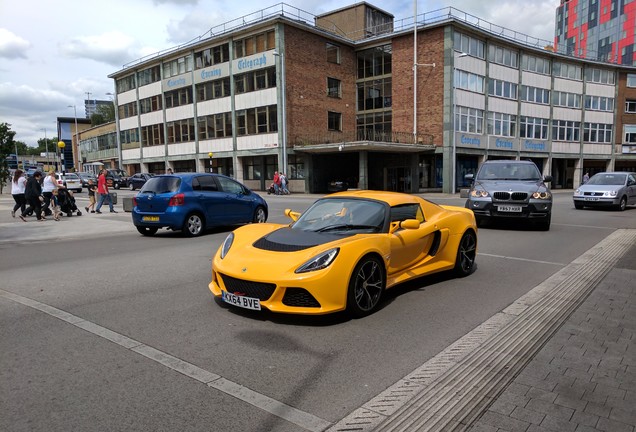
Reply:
x=518 y=172
x=608 y=179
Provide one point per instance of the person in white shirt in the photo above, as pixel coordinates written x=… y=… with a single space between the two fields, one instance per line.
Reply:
x=48 y=186
x=18 y=185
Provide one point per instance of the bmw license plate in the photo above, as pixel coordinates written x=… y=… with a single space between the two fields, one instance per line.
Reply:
x=241 y=301
x=509 y=208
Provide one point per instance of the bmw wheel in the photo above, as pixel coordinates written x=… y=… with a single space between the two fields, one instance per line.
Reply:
x=147 y=231
x=366 y=287
x=466 y=254
x=259 y=215
x=193 y=226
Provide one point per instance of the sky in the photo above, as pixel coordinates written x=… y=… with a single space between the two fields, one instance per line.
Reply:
x=56 y=54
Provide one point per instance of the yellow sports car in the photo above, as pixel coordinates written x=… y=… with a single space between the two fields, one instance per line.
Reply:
x=342 y=253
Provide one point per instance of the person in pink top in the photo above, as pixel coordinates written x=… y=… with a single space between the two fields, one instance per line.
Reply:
x=102 y=190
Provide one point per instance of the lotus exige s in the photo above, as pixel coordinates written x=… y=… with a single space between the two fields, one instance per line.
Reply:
x=342 y=253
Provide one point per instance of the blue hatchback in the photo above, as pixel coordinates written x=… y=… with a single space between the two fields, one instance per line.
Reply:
x=193 y=202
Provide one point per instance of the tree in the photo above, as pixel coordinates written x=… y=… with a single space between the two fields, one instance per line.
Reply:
x=103 y=114
x=7 y=147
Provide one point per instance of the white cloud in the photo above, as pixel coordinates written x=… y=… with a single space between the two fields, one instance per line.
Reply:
x=113 y=48
x=12 y=46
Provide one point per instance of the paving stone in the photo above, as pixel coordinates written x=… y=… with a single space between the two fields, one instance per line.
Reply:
x=517 y=388
x=503 y=422
x=584 y=418
x=608 y=425
x=575 y=403
x=624 y=416
x=584 y=428
x=533 y=382
x=597 y=409
x=558 y=424
x=527 y=415
x=502 y=407
x=480 y=427
x=550 y=409
x=537 y=393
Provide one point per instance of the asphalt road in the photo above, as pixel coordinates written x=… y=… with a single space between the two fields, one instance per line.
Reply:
x=176 y=360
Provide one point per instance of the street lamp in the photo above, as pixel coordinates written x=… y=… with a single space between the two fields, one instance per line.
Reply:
x=76 y=131
x=61 y=145
x=281 y=57
x=210 y=155
x=453 y=167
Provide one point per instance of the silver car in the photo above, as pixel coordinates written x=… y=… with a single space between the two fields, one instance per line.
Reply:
x=510 y=189
x=607 y=189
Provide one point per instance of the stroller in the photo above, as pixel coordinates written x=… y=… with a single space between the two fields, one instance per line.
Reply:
x=66 y=201
x=271 y=189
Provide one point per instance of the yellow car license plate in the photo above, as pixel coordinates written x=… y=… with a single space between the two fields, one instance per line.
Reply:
x=241 y=301
x=150 y=218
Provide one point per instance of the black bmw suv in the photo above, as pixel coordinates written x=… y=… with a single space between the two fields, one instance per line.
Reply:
x=510 y=189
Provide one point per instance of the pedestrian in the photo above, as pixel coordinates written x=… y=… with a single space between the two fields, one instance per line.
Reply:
x=91 y=196
x=55 y=205
x=276 y=183
x=586 y=177
x=49 y=185
x=102 y=190
x=33 y=196
x=169 y=171
x=18 y=186
x=283 y=184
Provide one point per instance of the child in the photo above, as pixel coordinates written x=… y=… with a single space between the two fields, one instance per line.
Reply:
x=91 y=196
x=55 y=204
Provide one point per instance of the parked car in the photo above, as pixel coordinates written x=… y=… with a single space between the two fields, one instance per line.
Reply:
x=116 y=178
x=607 y=189
x=85 y=177
x=136 y=181
x=70 y=181
x=342 y=253
x=337 y=186
x=510 y=189
x=193 y=202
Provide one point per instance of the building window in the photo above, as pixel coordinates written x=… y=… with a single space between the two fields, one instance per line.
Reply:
x=374 y=62
x=255 y=80
x=374 y=94
x=256 y=120
x=469 y=120
x=179 y=97
x=254 y=44
x=333 y=53
x=334 y=121
x=215 y=126
x=177 y=66
x=125 y=84
x=597 y=133
x=565 y=70
x=503 y=56
x=630 y=134
x=599 y=103
x=334 y=88
x=535 y=95
x=375 y=126
x=535 y=64
x=148 y=76
x=469 y=45
x=469 y=81
x=501 y=124
x=533 y=127
x=213 y=89
x=564 y=130
x=504 y=89
x=212 y=56
x=630 y=106
x=150 y=104
x=252 y=168
x=127 y=110
x=152 y=135
x=180 y=131
x=564 y=99
x=603 y=76
x=129 y=138
x=296 y=165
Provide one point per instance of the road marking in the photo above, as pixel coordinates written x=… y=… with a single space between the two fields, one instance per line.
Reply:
x=301 y=418
x=522 y=259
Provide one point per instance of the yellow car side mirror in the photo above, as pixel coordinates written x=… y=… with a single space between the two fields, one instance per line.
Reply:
x=292 y=214
x=405 y=224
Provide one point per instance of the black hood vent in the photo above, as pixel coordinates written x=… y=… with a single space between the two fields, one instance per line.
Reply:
x=290 y=240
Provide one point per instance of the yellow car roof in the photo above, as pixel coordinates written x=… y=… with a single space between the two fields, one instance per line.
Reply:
x=391 y=198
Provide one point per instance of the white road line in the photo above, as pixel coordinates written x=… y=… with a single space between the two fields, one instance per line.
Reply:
x=522 y=259
x=301 y=418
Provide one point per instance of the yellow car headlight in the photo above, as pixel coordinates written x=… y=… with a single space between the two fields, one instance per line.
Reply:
x=227 y=244
x=319 y=262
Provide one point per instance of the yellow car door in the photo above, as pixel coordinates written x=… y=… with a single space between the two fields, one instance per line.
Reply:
x=409 y=246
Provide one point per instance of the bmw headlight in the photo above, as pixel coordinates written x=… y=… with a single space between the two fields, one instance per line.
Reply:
x=227 y=244
x=479 y=193
x=319 y=262
x=544 y=195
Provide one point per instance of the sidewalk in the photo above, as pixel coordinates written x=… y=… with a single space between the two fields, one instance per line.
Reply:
x=584 y=378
